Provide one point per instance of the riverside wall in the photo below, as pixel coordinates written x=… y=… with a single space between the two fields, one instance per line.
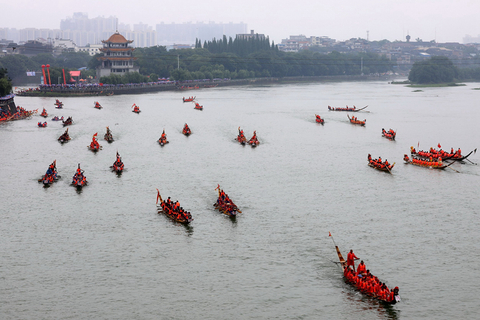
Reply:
x=105 y=90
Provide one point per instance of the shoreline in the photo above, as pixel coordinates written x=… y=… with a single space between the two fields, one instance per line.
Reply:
x=107 y=90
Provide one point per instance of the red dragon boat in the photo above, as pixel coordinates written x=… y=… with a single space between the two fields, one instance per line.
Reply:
x=65 y=137
x=365 y=282
x=67 y=122
x=379 y=164
x=79 y=180
x=198 y=106
x=186 y=130
x=390 y=134
x=94 y=145
x=44 y=113
x=190 y=99
x=58 y=104
x=136 y=109
x=118 y=164
x=241 y=137
x=354 y=120
x=319 y=119
x=225 y=205
x=173 y=210
x=354 y=109
x=253 y=140
x=51 y=175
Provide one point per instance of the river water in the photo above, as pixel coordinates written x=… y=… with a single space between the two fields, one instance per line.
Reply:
x=105 y=253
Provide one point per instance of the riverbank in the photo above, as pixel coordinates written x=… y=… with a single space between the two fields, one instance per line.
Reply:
x=140 y=88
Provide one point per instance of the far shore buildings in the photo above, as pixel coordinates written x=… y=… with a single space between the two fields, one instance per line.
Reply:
x=117 y=56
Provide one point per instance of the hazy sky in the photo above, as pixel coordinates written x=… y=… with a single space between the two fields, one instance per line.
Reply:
x=443 y=20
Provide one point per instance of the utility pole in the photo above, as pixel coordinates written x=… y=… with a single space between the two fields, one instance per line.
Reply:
x=178 y=61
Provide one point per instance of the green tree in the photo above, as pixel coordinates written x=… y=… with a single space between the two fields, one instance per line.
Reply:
x=5 y=83
x=434 y=70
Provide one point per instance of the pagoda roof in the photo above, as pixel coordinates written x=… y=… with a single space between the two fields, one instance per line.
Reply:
x=116 y=58
x=117 y=49
x=117 y=38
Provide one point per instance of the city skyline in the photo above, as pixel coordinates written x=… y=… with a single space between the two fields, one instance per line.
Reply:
x=442 y=21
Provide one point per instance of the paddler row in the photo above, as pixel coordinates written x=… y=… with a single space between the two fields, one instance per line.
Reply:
x=430 y=163
x=434 y=153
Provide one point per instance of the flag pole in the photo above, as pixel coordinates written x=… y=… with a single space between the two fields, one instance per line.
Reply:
x=330 y=235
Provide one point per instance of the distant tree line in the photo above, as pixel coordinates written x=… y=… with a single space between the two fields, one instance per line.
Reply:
x=248 y=58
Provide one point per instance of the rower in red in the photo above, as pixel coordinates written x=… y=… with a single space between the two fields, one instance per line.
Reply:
x=351 y=257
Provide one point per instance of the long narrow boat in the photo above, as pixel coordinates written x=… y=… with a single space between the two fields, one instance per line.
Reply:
x=379 y=164
x=190 y=99
x=351 y=278
x=354 y=109
x=67 y=122
x=319 y=119
x=94 y=145
x=108 y=136
x=79 y=180
x=118 y=165
x=164 y=207
x=65 y=137
x=425 y=163
x=354 y=120
x=186 y=130
x=225 y=205
x=51 y=175
x=58 y=104
x=390 y=134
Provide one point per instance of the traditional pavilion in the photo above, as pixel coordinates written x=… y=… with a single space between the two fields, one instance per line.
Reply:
x=117 y=56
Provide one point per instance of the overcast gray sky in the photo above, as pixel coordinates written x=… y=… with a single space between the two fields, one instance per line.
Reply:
x=440 y=20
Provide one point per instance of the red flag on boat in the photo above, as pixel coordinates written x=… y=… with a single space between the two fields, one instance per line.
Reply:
x=158 y=195
x=218 y=187
x=439 y=146
x=329 y=234
x=95 y=134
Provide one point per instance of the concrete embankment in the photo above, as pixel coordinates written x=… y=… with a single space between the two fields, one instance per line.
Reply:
x=107 y=90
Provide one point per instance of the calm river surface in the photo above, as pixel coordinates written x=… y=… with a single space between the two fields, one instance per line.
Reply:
x=105 y=253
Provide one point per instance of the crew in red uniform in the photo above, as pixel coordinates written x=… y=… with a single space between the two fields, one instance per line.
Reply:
x=351 y=259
